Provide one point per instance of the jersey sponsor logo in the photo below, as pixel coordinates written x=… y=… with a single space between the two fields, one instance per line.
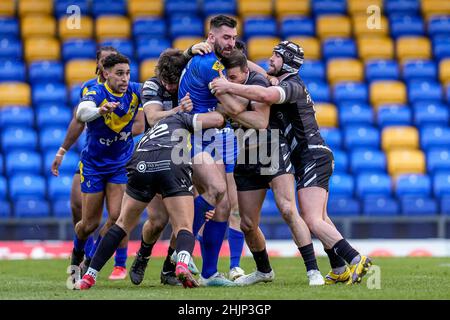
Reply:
x=90 y=93
x=141 y=167
x=151 y=85
x=123 y=136
x=218 y=66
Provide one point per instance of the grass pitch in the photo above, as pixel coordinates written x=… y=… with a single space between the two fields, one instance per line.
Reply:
x=400 y=278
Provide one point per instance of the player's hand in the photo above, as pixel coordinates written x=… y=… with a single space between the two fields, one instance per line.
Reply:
x=56 y=164
x=186 y=103
x=209 y=215
x=108 y=107
x=201 y=48
x=273 y=80
x=220 y=109
x=219 y=86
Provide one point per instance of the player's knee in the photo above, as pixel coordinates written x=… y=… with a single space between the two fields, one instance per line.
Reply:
x=75 y=208
x=287 y=210
x=89 y=227
x=217 y=190
x=312 y=223
x=247 y=225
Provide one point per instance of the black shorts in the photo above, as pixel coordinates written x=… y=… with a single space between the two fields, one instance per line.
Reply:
x=154 y=172
x=250 y=177
x=314 y=169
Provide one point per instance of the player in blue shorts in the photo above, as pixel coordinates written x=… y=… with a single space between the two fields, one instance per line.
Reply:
x=109 y=110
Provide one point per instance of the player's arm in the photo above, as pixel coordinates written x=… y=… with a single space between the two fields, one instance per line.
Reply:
x=208 y=120
x=154 y=112
x=258 y=118
x=138 y=124
x=88 y=110
x=232 y=105
x=200 y=48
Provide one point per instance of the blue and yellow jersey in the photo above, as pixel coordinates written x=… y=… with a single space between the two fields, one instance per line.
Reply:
x=199 y=72
x=88 y=85
x=109 y=142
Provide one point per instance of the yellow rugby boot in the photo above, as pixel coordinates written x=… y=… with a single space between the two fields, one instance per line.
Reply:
x=359 y=270
x=333 y=278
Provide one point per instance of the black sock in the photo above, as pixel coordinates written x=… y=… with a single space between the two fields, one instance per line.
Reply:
x=185 y=241
x=335 y=260
x=146 y=248
x=309 y=257
x=168 y=265
x=262 y=261
x=345 y=250
x=107 y=246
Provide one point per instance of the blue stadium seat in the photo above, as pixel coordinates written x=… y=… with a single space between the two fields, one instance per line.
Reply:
x=319 y=7
x=367 y=161
x=10 y=49
x=68 y=166
x=312 y=70
x=134 y=71
x=186 y=26
x=51 y=138
x=438 y=160
x=361 y=137
x=181 y=7
x=413 y=185
x=269 y=208
x=343 y=206
x=260 y=26
x=53 y=115
x=29 y=186
x=16 y=117
x=61 y=208
x=46 y=71
x=31 y=208
x=342 y=184
x=394 y=115
x=382 y=70
x=434 y=137
x=447 y=94
x=338 y=48
x=445 y=205
x=419 y=206
x=297 y=26
x=340 y=161
x=12 y=71
x=81 y=142
x=406 y=7
x=150 y=27
x=74 y=94
x=319 y=90
x=124 y=46
x=441 y=47
x=380 y=206
x=212 y=7
x=436 y=114
x=3 y=188
x=332 y=136
x=59 y=187
x=420 y=70
x=106 y=7
x=373 y=185
x=355 y=114
x=422 y=90
x=18 y=138
x=61 y=7
x=350 y=91
x=78 y=49
x=439 y=25
x=9 y=27
x=151 y=48
x=1 y=164
x=5 y=209
x=441 y=184
x=23 y=162
x=404 y=25
x=49 y=93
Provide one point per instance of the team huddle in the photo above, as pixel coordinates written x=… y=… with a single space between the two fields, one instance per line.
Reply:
x=192 y=168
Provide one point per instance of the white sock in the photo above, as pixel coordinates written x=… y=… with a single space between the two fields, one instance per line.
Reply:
x=93 y=273
x=184 y=257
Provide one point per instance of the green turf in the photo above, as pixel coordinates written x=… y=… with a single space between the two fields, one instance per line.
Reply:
x=401 y=278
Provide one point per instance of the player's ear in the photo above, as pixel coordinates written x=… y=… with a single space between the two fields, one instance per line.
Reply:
x=211 y=37
x=105 y=73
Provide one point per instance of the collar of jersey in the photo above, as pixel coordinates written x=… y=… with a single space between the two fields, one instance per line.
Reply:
x=98 y=80
x=112 y=92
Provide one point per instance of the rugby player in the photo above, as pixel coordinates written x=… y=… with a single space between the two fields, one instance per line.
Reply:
x=311 y=157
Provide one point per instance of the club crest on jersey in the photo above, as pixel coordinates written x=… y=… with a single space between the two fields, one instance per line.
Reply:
x=218 y=66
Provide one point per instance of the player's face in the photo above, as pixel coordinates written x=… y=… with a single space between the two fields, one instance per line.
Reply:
x=118 y=77
x=172 y=88
x=102 y=57
x=237 y=75
x=224 y=40
x=275 y=64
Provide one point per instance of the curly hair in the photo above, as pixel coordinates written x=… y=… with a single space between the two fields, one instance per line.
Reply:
x=170 y=65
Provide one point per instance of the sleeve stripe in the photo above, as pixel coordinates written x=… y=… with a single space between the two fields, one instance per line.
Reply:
x=152 y=102
x=282 y=94
x=195 y=124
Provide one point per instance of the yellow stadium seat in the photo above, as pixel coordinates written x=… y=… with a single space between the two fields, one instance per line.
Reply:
x=399 y=137
x=79 y=70
x=41 y=49
x=138 y=8
x=384 y=92
x=405 y=162
x=329 y=26
x=35 y=6
x=375 y=48
x=15 y=93
x=444 y=71
x=112 y=27
x=310 y=45
x=326 y=114
x=147 y=69
x=254 y=7
x=291 y=7
x=183 y=43
x=7 y=8
x=238 y=26
x=413 y=48
x=435 y=7
x=261 y=47
x=69 y=30
x=339 y=70
x=360 y=6
x=362 y=29
x=38 y=26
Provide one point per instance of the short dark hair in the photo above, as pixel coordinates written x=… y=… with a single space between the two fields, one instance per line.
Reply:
x=222 y=20
x=240 y=45
x=236 y=59
x=113 y=59
x=99 y=53
x=170 y=65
